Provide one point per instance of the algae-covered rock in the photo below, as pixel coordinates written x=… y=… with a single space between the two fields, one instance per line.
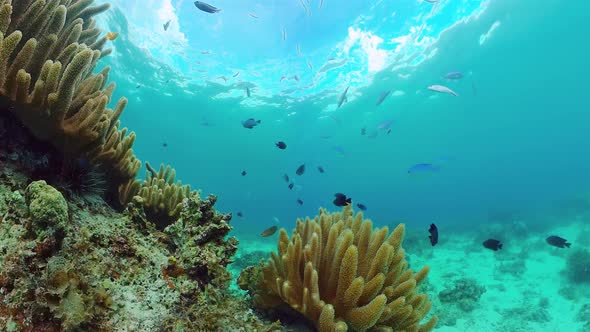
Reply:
x=47 y=206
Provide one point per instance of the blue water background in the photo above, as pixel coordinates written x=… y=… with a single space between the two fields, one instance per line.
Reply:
x=516 y=138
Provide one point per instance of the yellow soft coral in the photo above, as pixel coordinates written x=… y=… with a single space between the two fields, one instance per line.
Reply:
x=342 y=274
x=48 y=51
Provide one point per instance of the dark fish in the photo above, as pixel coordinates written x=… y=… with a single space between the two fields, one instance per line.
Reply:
x=166 y=25
x=300 y=170
x=492 y=244
x=206 y=7
x=291 y=185
x=388 y=131
x=341 y=200
x=343 y=97
x=382 y=97
x=557 y=241
x=363 y=131
x=240 y=214
x=299 y=201
x=250 y=123
x=286 y=177
x=165 y=145
x=423 y=168
x=236 y=74
x=362 y=207
x=281 y=145
x=248 y=91
x=244 y=173
x=320 y=169
x=138 y=86
x=269 y=231
x=454 y=75
x=434 y=235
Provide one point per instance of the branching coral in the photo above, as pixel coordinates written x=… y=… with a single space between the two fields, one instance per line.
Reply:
x=48 y=51
x=162 y=198
x=342 y=274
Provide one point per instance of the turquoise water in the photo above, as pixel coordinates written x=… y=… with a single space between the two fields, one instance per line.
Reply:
x=510 y=152
x=515 y=139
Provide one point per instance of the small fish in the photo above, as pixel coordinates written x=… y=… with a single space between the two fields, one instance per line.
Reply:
x=299 y=201
x=291 y=185
x=248 y=91
x=166 y=25
x=206 y=7
x=236 y=74
x=112 y=35
x=309 y=65
x=432 y=1
x=557 y=241
x=382 y=97
x=298 y=49
x=284 y=34
x=240 y=214
x=320 y=169
x=343 y=97
x=138 y=86
x=423 y=168
x=295 y=77
x=269 y=231
x=385 y=125
x=223 y=78
x=250 y=123
x=341 y=200
x=321 y=3
x=492 y=244
x=205 y=52
x=363 y=131
x=300 y=170
x=433 y=230
x=361 y=207
x=454 y=75
x=388 y=131
x=286 y=178
x=281 y=145
x=244 y=173
x=282 y=78
x=442 y=89
x=253 y=15
x=165 y=144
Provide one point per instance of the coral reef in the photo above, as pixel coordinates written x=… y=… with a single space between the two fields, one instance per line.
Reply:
x=48 y=51
x=578 y=266
x=464 y=292
x=66 y=267
x=342 y=274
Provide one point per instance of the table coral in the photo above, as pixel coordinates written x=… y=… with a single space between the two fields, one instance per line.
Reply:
x=342 y=274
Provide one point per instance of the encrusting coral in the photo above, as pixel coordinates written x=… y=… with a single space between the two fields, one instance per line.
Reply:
x=48 y=51
x=342 y=274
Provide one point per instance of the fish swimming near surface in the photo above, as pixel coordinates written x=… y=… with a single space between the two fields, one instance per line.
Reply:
x=363 y=131
x=299 y=201
x=250 y=123
x=284 y=34
x=382 y=97
x=309 y=65
x=454 y=75
x=112 y=35
x=343 y=97
x=281 y=145
x=442 y=89
x=269 y=231
x=432 y=1
x=362 y=207
x=291 y=185
x=248 y=91
x=433 y=230
x=236 y=74
x=165 y=144
x=253 y=15
x=423 y=168
x=558 y=242
x=206 y=7
x=320 y=169
x=240 y=214
x=388 y=131
x=492 y=244
x=286 y=177
x=223 y=78
x=166 y=25
x=341 y=200
x=300 y=170
x=243 y=173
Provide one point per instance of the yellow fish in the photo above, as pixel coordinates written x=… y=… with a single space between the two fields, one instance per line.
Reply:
x=112 y=35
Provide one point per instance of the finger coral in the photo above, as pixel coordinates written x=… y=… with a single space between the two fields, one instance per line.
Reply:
x=48 y=52
x=162 y=198
x=343 y=275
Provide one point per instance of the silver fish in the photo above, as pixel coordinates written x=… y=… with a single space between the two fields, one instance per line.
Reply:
x=382 y=97
x=442 y=89
x=206 y=7
x=343 y=97
x=454 y=75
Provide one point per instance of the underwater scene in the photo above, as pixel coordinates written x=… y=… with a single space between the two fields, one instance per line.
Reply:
x=294 y=165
